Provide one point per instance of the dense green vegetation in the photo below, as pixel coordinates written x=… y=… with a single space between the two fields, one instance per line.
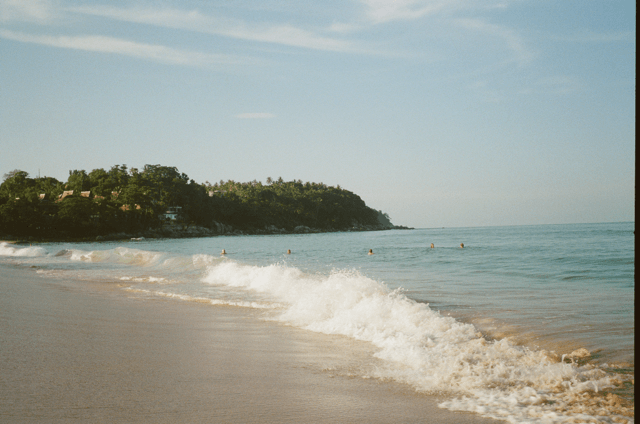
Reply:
x=131 y=200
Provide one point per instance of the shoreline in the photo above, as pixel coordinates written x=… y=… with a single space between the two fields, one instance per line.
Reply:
x=85 y=352
x=190 y=231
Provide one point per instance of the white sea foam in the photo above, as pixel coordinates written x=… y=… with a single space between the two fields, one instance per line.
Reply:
x=8 y=249
x=188 y=298
x=420 y=347
x=147 y=279
x=121 y=255
x=143 y=258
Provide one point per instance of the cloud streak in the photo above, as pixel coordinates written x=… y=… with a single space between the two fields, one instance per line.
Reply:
x=196 y=21
x=103 y=44
x=333 y=37
x=381 y=11
x=38 y=11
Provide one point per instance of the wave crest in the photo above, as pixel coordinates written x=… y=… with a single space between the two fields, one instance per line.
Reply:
x=423 y=348
x=8 y=249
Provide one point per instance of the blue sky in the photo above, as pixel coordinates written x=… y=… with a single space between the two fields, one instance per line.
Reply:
x=438 y=112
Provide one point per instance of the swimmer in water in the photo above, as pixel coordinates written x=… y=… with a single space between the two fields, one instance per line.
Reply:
x=461 y=245
x=223 y=252
x=371 y=251
x=288 y=251
x=432 y=246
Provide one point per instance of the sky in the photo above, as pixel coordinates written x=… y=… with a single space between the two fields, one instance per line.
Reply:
x=441 y=113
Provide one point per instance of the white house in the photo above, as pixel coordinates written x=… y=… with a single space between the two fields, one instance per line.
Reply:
x=172 y=213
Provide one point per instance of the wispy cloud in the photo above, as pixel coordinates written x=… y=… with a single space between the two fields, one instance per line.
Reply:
x=388 y=11
x=38 y=11
x=511 y=38
x=379 y=11
x=339 y=36
x=255 y=116
x=196 y=21
x=103 y=44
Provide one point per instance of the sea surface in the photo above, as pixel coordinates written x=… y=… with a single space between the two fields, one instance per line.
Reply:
x=523 y=323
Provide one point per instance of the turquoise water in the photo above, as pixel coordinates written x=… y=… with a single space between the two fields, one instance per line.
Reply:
x=480 y=322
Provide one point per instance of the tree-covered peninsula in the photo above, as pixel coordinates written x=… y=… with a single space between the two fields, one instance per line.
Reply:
x=160 y=201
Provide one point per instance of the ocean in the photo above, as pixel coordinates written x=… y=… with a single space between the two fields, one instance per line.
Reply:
x=523 y=323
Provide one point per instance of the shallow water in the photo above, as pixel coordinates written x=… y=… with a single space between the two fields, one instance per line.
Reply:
x=488 y=323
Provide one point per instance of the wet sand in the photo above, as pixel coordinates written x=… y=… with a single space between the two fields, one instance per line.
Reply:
x=98 y=354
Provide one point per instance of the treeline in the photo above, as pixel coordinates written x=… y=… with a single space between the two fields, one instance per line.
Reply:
x=131 y=200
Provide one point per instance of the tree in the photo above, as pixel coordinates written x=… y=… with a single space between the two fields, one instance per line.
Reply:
x=139 y=197
x=49 y=186
x=100 y=184
x=118 y=178
x=167 y=185
x=78 y=181
x=16 y=183
x=76 y=216
x=13 y=173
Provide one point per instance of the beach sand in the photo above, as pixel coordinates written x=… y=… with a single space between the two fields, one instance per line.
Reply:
x=70 y=353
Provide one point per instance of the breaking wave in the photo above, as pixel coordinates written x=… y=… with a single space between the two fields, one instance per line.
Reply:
x=8 y=249
x=431 y=352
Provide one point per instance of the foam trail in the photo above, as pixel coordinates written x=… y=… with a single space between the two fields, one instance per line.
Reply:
x=141 y=258
x=252 y=305
x=148 y=279
x=7 y=249
x=121 y=255
x=431 y=352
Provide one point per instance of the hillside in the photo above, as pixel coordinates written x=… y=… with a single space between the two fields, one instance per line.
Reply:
x=159 y=201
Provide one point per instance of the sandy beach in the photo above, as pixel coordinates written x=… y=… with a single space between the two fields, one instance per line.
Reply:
x=97 y=354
